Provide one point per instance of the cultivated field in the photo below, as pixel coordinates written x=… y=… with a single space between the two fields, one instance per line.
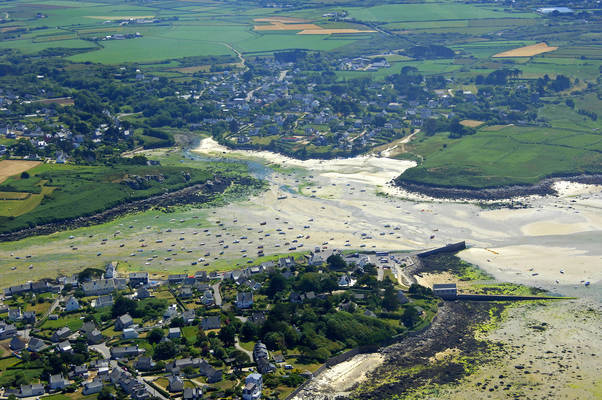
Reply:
x=527 y=51
x=305 y=29
x=471 y=123
x=278 y=26
x=13 y=167
x=284 y=20
x=323 y=31
x=120 y=17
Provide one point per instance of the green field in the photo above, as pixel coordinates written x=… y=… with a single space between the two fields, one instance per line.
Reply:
x=506 y=156
x=181 y=30
x=430 y=12
x=69 y=191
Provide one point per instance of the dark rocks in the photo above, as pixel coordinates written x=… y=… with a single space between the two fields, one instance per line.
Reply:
x=543 y=188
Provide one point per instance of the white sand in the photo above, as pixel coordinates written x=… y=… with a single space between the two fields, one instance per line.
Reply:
x=338 y=380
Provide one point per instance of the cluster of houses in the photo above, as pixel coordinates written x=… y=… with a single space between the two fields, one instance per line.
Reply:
x=99 y=292
x=41 y=138
x=102 y=291
x=363 y=64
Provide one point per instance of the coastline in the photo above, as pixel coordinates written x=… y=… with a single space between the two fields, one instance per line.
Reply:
x=545 y=187
x=410 y=190
x=195 y=194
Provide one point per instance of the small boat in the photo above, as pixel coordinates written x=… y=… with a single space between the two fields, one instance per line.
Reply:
x=586 y=283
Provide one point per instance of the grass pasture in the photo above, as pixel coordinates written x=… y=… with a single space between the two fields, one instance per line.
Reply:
x=68 y=191
x=508 y=155
x=432 y=11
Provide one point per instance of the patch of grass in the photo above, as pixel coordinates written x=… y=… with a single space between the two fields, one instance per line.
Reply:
x=510 y=155
x=453 y=264
x=8 y=362
x=30 y=375
x=505 y=289
x=73 y=322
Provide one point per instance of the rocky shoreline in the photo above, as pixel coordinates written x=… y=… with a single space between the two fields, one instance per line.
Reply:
x=542 y=188
x=195 y=194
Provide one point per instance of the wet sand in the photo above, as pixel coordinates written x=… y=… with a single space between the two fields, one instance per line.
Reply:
x=548 y=351
x=349 y=204
x=530 y=245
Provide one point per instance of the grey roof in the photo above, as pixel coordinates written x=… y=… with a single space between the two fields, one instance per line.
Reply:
x=212 y=322
x=444 y=286
x=125 y=319
x=36 y=344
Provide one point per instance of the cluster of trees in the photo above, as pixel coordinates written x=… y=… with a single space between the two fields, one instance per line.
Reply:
x=430 y=51
x=319 y=327
x=453 y=126
x=318 y=330
x=498 y=77
x=590 y=114
x=146 y=309
x=558 y=84
x=408 y=83
x=290 y=56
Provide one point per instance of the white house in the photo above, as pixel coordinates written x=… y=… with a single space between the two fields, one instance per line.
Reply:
x=72 y=304
x=171 y=311
x=57 y=382
x=130 y=333
x=253 y=387
x=111 y=270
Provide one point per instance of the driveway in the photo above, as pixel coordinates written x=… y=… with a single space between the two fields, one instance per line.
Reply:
x=217 y=295
x=101 y=349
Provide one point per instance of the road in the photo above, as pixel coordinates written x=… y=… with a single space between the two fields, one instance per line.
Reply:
x=239 y=347
x=152 y=390
x=238 y=54
x=101 y=349
x=217 y=295
x=400 y=143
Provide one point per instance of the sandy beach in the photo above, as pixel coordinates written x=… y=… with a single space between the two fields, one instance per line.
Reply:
x=341 y=203
x=554 y=243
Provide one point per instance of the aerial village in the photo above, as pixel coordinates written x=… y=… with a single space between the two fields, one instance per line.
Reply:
x=208 y=335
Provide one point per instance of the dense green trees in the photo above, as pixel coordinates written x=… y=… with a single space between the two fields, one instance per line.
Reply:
x=145 y=309
x=165 y=350
x=336 y=262
x=410 y=317
x=155 y=335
